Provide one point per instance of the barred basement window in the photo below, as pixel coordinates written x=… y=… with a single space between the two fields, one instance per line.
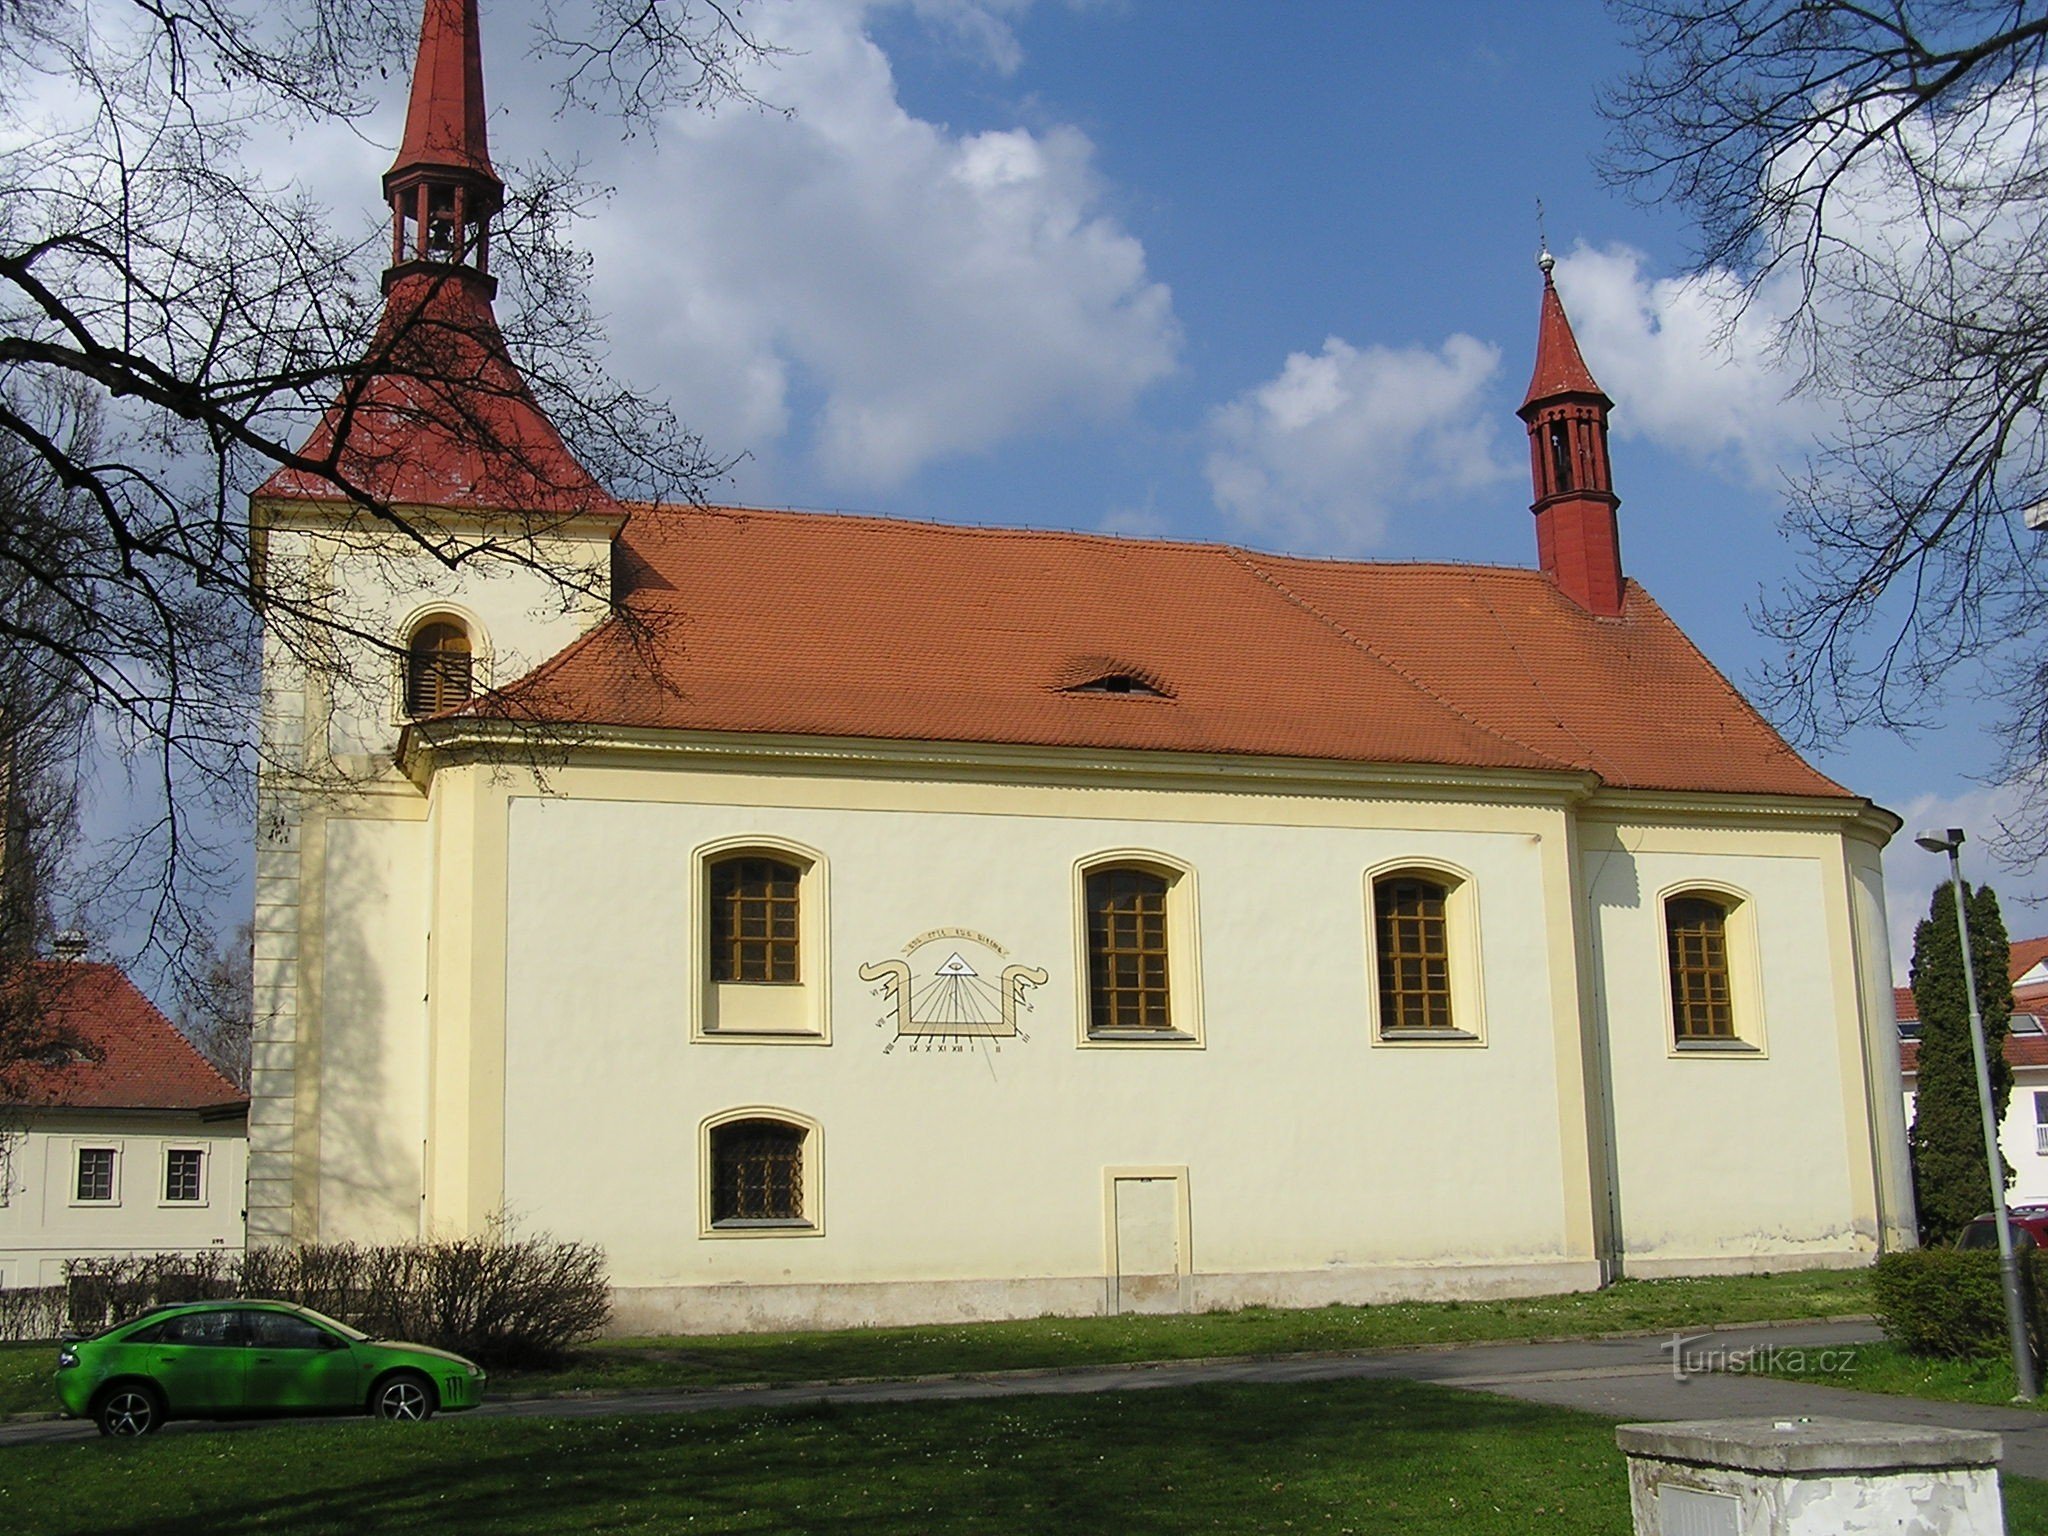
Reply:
x=1128 y=986
x=181 y=1176
x=1696 y=934
x=439 y=668
x=1413 y=939
x=96 y=1174
x=757 y=1173
x=754 y=913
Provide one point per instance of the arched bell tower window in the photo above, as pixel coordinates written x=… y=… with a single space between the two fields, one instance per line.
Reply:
x=439 y=667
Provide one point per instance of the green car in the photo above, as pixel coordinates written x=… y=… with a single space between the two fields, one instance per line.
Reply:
x=227 y=1359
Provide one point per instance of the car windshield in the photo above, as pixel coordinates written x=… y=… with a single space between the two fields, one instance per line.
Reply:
x=354 y=1335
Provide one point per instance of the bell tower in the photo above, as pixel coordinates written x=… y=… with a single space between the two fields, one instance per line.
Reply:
x=1578 y=542
x=442 y=188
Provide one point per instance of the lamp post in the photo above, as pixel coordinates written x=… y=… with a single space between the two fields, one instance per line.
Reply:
x=1950 y=842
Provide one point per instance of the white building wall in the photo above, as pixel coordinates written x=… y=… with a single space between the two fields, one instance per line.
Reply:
x=43 y=1223
x=1732 y=1159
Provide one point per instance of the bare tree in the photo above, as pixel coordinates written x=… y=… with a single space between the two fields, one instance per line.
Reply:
x=207 y=320
x=1881 y=172
x=217 y=1002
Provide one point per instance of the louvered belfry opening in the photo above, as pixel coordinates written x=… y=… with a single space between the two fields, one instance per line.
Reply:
x=1414 y=953
x=1127 y=951
x=758 y=1171
x=439 y=668
x=1702 y=1007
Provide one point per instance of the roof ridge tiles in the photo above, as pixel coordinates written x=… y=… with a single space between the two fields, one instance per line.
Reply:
x=1250 y=563
x=1594 y=756
x=1067 y=535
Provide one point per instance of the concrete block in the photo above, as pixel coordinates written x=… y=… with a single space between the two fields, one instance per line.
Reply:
x=1810 y=1477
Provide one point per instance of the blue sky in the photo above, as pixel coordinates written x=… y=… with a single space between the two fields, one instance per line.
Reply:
x=1254 y=271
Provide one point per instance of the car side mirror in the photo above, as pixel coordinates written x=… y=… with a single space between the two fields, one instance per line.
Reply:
x=332 y=1341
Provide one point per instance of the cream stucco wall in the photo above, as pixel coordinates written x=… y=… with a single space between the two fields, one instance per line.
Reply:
x=42 y=1223
x=2022 y=1141
x=553 y=1076
x=1724 y=1157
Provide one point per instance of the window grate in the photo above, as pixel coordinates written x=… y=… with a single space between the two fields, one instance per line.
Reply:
x=96 y=1173
x=181 y=1177
x=755 y=904
x=1128 y=977
x=1414 y=954
x=1702 y=1007
x=758 y=1172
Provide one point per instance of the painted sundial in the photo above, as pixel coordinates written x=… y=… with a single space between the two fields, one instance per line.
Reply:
x=968 y=993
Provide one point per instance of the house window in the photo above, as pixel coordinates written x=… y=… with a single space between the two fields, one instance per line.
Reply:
x=1702 y=997
x=757 y=1174
x=182 y=1169
x=1422 y=955
x=439 y=667
x=1129 y=982
x=1414 y=953
x=761 y=939
x=755 y=909
x=96 y=1175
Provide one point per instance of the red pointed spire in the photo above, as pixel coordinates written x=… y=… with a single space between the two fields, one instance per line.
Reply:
x=441 y=188
x=438 y=414
x=444 y=124
x=1577 y=540
x=1560 y=370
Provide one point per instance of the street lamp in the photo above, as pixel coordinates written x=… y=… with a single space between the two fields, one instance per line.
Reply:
x=1950 y=842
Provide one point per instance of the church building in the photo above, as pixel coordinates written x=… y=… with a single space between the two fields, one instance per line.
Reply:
x=844 y=919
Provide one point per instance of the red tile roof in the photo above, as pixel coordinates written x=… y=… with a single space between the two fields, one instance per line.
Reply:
x=2024 y=955
x=440 y=417
x=823 y=625
x=145 y=1062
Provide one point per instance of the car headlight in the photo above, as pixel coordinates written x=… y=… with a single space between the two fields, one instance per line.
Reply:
x=67 y=1358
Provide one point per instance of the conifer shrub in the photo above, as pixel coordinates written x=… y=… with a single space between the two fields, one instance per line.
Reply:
x=1951 y=1185
x=1950 y=1302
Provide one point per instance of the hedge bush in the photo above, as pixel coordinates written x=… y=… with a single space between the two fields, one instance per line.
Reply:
x=497 y=1299
x=31 y=1312
x=1951 y=1302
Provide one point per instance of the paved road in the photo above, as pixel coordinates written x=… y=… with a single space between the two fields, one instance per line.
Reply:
x=1619 y=1378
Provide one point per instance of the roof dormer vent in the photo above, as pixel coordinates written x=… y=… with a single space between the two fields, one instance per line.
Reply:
x=1118 y=682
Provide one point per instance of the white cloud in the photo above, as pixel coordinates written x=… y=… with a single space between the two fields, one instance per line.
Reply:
x=1690 y=367
x=885 y=290
x=1319 y=456
x=1911 y=873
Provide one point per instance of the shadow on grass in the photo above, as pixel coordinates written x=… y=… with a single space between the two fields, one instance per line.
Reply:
x=1331 y=1457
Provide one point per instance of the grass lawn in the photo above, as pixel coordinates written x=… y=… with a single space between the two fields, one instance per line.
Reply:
x=725 y=1360
x=1884 y=1367
x=1333 y=1457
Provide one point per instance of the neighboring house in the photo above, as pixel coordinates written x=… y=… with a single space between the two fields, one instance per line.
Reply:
x=842 y=919
x=2023 y=1134
x=141 y=1149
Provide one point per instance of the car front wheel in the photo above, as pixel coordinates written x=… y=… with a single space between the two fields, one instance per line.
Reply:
x=404 y=1399
x=129 y=1410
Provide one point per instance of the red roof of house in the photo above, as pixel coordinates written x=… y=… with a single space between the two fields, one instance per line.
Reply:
x=145 y=1063
x=441 y=417
x=2020 y=1050
x=823 y=625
